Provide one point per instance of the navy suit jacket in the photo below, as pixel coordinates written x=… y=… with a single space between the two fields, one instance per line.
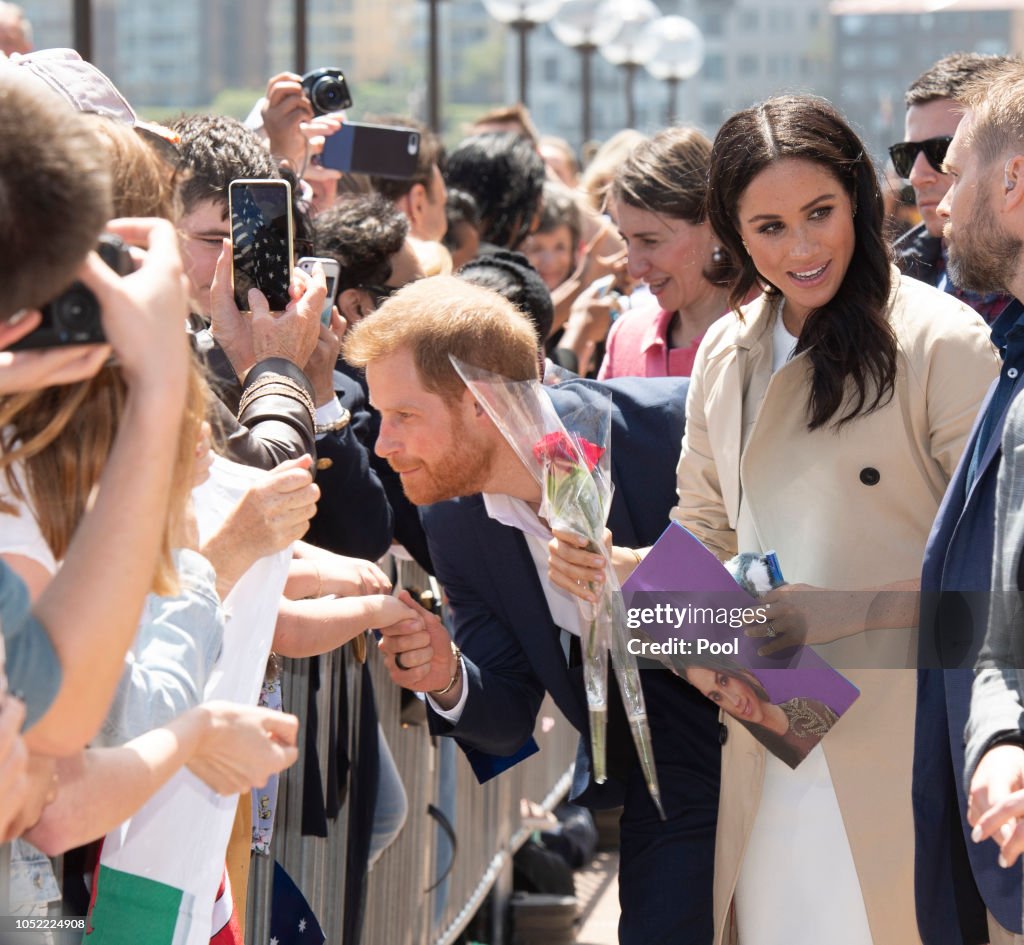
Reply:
x=511 y=645
x=513 y=653
x=951 y=870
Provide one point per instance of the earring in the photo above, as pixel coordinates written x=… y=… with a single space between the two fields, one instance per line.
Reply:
x=718 y=256
x=746 y=248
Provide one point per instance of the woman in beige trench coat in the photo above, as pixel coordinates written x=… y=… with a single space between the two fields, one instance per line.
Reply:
x=824 y=423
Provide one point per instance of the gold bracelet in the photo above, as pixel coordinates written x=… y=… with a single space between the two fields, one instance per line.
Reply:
x=319 y=581
x=456 y=675
x=271 y=383
x=636 y=554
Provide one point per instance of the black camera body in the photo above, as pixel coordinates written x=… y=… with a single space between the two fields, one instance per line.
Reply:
x=326 y=90
x=73 y=318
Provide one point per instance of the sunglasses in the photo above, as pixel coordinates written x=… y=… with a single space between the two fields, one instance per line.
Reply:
x=379 y=292
x=905 y=153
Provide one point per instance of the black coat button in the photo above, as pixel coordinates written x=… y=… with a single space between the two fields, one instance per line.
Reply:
x=870 y=476
x=723 y=734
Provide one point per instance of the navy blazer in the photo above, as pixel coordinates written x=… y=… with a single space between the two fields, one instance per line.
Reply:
x=513 y=654
x=512 y=647
x=951 y=870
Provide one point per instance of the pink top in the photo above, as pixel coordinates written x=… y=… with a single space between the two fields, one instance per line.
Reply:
x=637 y=346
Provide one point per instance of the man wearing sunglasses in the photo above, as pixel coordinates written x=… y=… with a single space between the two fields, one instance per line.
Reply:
x=932 y=118
x=963 y=895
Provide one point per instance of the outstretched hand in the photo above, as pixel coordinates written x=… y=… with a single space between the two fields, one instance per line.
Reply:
x=293 y=333
x=418 y=652
x=243 y=746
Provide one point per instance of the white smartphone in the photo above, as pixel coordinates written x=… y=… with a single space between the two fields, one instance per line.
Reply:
x=331 y=271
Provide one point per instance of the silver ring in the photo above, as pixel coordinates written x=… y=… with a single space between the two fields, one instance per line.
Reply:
x=398 y=662
x=771 y=632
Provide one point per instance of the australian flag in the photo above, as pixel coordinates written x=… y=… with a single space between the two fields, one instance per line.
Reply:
x=291 y=920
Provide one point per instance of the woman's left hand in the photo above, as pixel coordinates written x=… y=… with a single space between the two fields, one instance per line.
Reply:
x=802 y=614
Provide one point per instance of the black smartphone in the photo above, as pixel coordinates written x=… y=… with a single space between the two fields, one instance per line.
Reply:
x=262 y=240
x=380 y=150
x=74 y=318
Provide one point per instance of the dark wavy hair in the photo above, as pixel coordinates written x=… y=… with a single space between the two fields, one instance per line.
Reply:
x=511 y=275
x=214 y=151
x=362 y=234
x=505 y=176
x=850 y=343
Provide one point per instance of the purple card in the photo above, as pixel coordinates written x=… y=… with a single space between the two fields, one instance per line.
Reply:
x=685 y=609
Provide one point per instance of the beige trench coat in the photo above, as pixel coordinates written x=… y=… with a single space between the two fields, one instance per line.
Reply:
x=753 y=478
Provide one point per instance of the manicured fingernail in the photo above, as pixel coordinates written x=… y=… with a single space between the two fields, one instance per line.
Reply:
x=1002 y=861
x=976 y=834
x=596 y=562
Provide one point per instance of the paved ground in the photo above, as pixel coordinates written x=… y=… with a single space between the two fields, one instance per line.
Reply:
x=597 y=889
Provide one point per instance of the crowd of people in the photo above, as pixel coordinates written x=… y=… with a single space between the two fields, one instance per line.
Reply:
x=207 y=488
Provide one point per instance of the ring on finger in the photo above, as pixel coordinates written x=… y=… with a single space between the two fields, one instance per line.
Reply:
x=398 y=662
x=771 y=632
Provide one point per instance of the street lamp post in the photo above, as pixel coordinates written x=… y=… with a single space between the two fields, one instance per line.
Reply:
x=673 y=50
x=579 y=24
x=625 y=49
x=301 y=20
x=82 y=16
x=522 y=16
x=433 y=68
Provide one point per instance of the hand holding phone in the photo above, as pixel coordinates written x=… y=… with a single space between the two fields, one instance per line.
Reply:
x=262 y=239
x=291 y=332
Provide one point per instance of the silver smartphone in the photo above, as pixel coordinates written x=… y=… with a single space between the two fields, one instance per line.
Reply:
x=331 y=271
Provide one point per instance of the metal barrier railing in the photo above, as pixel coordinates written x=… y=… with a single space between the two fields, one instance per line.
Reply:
x=401 y=908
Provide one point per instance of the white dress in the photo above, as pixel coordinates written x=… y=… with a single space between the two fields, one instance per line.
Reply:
x=798 y=884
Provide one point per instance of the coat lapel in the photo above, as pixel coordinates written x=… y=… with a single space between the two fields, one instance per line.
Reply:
x=742 y=378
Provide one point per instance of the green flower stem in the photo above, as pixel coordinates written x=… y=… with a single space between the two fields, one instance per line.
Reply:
x=642 y=740
x=598 y=740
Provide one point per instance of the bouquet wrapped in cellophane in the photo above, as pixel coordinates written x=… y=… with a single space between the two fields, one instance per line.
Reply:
x=569 y=457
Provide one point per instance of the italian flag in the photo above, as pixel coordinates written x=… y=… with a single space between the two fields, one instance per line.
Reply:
x=160 y=871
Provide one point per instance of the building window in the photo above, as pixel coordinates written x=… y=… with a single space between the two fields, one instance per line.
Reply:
x=852 y=57
x=852 y=25
x=714 y=66
x=551 y=69
x=711 y=115
x=747 y=64
x=713 y=24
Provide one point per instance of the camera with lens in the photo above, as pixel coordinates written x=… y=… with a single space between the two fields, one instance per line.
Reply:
x=73 y=318
x=326 y=90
